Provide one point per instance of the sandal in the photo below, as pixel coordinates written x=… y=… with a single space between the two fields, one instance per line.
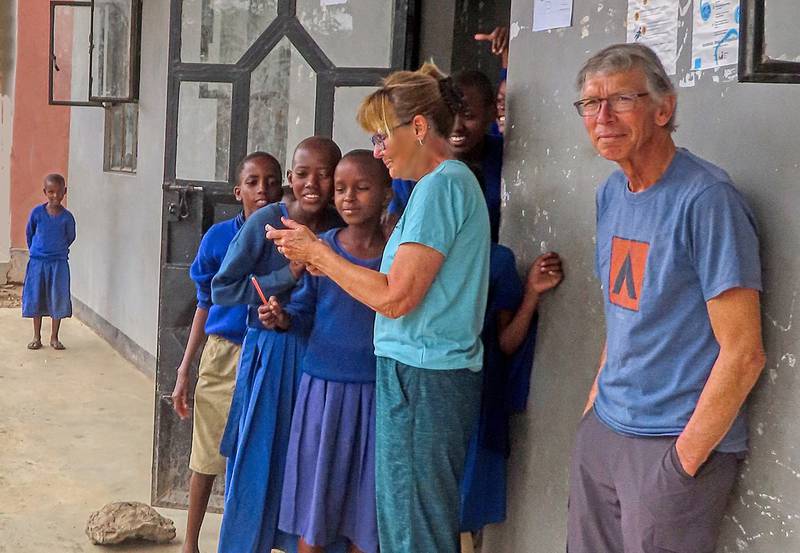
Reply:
x=56 y=344
x=36 y=344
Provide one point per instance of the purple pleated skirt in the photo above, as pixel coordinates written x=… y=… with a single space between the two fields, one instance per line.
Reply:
x=329 y=483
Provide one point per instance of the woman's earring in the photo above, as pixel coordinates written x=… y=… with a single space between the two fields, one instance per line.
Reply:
x=420 y=141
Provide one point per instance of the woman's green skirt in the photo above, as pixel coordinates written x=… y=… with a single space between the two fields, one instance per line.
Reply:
x=425 y=419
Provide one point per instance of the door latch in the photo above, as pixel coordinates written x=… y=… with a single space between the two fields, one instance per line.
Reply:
x=179 y=209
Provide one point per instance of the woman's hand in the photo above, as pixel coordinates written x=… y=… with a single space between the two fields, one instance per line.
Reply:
x=273 y=316
x=545 y=273
x=297 y=268
x=296 y=242
x=314 y=271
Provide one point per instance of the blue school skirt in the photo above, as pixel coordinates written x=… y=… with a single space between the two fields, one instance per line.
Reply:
x=329 y=485
x=483 y=488
x=255 y=441
x=45 y=292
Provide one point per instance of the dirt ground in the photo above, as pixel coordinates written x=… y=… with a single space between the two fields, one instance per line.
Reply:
x=10 y=295
x=76 y=432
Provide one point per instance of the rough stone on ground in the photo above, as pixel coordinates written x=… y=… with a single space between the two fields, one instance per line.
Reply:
x=10 y=295
x=128 y=520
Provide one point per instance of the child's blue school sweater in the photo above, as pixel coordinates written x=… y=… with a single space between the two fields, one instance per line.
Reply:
x=229 y=322
x=251 y=254
x=49 y=237
x=340 y=347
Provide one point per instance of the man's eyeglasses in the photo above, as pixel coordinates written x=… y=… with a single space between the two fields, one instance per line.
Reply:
x=379 y=139
x=618 y=103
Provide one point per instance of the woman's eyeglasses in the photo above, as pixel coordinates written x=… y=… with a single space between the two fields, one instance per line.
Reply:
x=379 y=138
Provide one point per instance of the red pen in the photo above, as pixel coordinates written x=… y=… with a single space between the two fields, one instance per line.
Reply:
x=258 y=289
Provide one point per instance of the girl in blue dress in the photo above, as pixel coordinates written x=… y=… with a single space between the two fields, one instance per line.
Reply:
x=50 y=232
x=257 y=432
x=329 y=485
x=508 y=336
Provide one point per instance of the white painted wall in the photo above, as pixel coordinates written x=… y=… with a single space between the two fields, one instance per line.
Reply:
x=115 y=259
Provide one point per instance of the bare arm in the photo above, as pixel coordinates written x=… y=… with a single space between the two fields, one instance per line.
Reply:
x=413 y=270
x=593 y=391
x=545 y=274
x=197 y=336
x=498 y=40
x=736 y=321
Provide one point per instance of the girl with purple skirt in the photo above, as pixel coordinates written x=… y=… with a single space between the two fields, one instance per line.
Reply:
x=329 y=483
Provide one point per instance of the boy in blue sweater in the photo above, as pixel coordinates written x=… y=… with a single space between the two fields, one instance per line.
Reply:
x=258 y=184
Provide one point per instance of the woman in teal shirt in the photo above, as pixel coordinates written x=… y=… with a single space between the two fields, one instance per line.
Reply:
x=430 y=299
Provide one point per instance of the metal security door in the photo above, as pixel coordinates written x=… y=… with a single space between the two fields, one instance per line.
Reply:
x=249 y=75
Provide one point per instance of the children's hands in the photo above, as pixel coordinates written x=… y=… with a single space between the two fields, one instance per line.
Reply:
x=180 y=395
x=545 y=274
x=498 y=40
x=272 y=315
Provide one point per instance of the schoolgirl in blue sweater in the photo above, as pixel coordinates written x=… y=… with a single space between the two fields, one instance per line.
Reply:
x=329 y=484
x=257 y=432
x=50 y=232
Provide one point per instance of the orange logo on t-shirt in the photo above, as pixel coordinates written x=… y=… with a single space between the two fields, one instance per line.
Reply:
x=628 y=262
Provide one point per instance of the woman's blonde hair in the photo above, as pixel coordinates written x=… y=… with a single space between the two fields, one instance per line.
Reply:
x=405 y=94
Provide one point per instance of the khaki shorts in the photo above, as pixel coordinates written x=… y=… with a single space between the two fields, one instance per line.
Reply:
x=212 y=400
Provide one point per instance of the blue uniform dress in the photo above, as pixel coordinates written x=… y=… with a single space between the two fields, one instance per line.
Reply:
x=46 y=289
x=506 y=381
x=229 y=322
x=329 y=486
x=259 y=421
x=491 y=168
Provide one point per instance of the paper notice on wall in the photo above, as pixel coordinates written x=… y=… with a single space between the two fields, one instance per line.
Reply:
x=551 y=14
x=324 y=3
x=654 y=23
x=715 y=34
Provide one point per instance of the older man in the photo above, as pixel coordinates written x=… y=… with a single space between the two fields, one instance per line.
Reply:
x=657 y=451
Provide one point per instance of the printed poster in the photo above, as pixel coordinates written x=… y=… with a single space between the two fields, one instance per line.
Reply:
x=655 y=24
x=551 y=14
x=715 y=34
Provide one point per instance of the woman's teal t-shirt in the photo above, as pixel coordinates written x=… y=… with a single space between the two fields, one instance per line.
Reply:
x=446 y=212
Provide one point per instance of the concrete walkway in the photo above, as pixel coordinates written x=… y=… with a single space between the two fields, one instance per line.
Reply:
x=76 y=432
